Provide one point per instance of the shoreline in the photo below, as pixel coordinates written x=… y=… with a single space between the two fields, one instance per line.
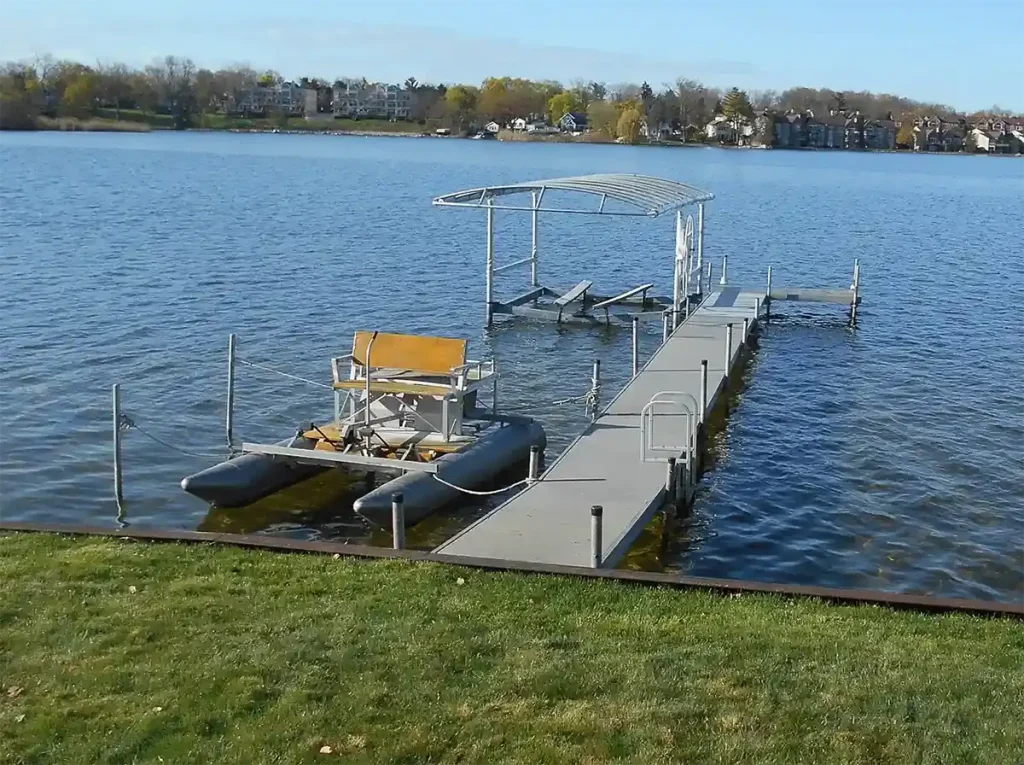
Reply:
x=102 y=125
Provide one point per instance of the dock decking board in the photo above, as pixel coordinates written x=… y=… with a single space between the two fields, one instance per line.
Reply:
x=549 y=522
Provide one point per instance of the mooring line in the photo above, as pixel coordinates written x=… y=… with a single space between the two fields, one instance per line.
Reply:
x=479 y=493
x=129 y=424
x=283 y=374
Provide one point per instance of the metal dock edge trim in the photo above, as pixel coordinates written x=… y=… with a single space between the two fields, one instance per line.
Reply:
x=899 y=601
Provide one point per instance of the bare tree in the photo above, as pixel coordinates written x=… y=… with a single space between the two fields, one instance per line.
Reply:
x=764 y=100
x=696 y=103
x=115 y=85
x=174 y=81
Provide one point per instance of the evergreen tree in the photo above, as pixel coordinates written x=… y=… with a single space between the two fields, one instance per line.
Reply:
x=737 y=109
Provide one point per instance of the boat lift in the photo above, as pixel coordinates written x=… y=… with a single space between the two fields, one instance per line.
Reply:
x=629 y=195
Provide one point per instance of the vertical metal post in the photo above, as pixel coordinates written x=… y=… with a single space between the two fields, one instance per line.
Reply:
x=398 y=520
x=118 y=476
x=724 y=281
x=675 y=280
x=595 y=386
x=670 y=478
x=534 y=472
x=682 y=487
x=229 y=419
x=711 y=268
x=746 y=329
x=768 y=290
x=494 y=394
x=533 y=247
x=337 y=393
x=686 y=281
x=757 y=308
x=490 y=262
x=856 y=291
x=700 y=244
x=636 y=345
x=596 y=546
x=728 y=351
x=664 y=327
x=703 y=391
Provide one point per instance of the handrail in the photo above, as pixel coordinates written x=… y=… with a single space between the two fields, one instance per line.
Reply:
x=688 y=404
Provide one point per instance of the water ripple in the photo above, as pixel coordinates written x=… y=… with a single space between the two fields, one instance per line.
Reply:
x=890 y=457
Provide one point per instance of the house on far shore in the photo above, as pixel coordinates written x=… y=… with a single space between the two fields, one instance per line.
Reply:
x=492 y=127
x=722 y=130
x=651 y=133
x=518 y=124
x=992 y=141
x=573 y=122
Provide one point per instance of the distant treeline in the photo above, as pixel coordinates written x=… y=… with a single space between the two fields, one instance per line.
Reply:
x=176 y=87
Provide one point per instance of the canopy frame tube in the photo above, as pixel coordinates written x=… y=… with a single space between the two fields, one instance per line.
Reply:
x=636 y=195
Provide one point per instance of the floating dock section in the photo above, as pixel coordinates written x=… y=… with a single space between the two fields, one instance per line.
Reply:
x=617 y=462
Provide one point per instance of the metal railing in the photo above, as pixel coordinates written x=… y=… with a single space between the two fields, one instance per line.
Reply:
x=686 y=406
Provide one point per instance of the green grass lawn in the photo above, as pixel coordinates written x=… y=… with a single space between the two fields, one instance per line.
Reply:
x=121 y=652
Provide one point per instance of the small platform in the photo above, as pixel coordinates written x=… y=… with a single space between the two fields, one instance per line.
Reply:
x=549 y=522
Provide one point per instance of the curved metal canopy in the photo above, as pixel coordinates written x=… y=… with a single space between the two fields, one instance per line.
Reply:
x=652 y=196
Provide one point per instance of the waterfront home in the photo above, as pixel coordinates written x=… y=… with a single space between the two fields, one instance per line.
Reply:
x=358 y=99
x=722 y=129
x=879 y=134
x=994 y=142
x=662 y=131
x=788 y=130
x=492 y=127
x=831 y=134
x=938 y=134
x=573 y=122
x=288 y=97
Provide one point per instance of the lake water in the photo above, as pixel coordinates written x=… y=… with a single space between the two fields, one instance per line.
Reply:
x=889 y=457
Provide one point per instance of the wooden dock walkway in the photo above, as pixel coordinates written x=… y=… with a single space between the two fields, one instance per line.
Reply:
x=550 y=521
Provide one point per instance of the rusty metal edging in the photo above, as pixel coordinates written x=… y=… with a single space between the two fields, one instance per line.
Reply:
x=925 y=603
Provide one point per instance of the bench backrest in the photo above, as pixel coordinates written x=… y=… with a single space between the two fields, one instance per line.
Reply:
x=416 y=353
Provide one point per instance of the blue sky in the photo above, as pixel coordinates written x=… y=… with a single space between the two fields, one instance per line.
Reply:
x=967 y=53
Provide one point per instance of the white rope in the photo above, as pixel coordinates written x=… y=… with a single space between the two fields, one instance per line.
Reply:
x=479 y=493
x=127 y=423
x=284 y=374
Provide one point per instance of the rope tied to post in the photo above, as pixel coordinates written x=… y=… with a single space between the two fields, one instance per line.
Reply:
x=127 y=423
x=588 y=398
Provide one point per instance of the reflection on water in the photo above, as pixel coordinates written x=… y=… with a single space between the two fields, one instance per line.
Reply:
x=323 y=501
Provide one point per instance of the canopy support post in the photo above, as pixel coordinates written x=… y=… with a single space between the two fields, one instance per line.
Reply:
x=533 y=245
x=489 y=310
x=675 y=272
x=700 y=243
